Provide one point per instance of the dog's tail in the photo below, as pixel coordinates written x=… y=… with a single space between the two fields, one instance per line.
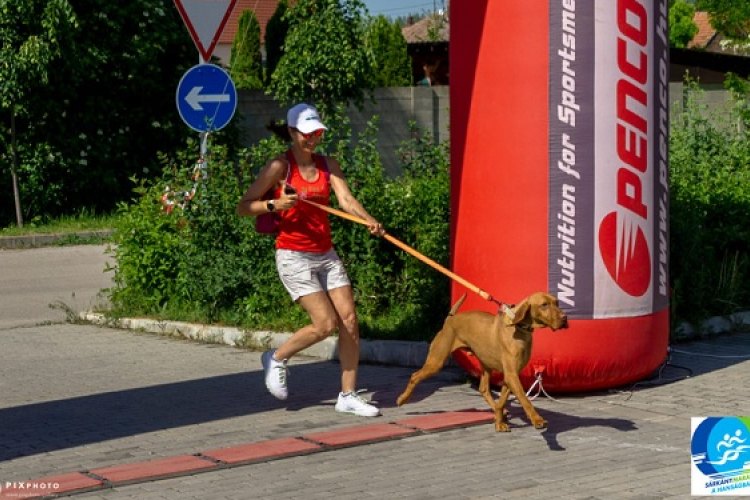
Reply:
x=458 y=303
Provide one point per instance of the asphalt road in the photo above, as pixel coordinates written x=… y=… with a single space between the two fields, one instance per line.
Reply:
x=33 y=279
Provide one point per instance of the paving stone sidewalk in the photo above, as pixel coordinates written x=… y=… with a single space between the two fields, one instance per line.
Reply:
x=78 y=398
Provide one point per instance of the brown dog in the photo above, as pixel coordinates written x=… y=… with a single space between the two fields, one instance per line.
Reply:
x=500 y=342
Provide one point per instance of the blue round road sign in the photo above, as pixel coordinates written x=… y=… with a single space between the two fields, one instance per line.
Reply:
x=206 y=98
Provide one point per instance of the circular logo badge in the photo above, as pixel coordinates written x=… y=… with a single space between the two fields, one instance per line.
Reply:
x=721 y=446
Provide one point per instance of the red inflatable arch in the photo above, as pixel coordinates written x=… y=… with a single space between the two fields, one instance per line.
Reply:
x=559 y=136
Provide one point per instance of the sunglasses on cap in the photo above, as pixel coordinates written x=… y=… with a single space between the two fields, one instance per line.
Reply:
x=314 y=133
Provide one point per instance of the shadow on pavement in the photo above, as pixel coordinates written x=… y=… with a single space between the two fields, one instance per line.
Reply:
x=559 y=423
x=44 y=427
x=711 y=354
x=53 y=425
x=48 y=426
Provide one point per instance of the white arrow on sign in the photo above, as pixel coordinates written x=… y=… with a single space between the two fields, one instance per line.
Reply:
x=194 y=98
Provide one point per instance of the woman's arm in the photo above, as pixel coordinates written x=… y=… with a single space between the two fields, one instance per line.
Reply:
x=346 y=199
x=271 y=175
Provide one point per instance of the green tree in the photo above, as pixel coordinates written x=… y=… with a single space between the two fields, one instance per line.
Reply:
x=276 y=30
x=729 y=17
x=682 y=28
x=107 y=108
x=389 y=60
x=245 y=60
x=324 y=59
x=30 y=31
x=436 y=27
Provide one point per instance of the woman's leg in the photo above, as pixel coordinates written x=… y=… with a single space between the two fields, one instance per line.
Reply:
x=349 y=401
x=343 y=302
x=324 y=322
x=324 y=319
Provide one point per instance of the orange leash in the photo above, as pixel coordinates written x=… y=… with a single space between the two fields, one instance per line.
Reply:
x=409 y=250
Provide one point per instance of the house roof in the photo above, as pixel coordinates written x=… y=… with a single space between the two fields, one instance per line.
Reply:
x=708 y=39
x=433 y=28
x=706 y=32
x=263 y=9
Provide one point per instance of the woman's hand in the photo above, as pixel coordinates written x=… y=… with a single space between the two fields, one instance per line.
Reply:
x=375 y=227
x=287 y=199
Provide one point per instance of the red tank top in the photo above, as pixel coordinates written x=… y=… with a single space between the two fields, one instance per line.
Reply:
x=305 y=228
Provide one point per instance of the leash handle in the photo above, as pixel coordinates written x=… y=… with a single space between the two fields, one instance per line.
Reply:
x=408 y=249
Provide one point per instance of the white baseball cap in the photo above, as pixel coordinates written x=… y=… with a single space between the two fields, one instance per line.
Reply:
x=304 y=118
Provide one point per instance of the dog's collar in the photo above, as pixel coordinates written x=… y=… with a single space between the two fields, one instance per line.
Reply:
x=525 y=328
x=507 y=311
x=509 y=315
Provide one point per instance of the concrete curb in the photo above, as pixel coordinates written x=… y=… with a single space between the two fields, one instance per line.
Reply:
x=383 y=352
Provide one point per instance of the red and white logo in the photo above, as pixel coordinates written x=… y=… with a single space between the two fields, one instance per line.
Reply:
x=623 y=241
x=625 y=253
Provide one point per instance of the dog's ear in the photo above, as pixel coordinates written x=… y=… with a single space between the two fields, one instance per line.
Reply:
x=520 y=313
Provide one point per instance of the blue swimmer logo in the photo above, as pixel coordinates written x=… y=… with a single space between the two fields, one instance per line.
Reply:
x=720 y=450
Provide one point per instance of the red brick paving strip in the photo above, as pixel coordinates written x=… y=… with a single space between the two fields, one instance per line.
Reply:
x=358 y=435
x=275 y=448
x=157 y=468
x=46 y=486
x=447 y=420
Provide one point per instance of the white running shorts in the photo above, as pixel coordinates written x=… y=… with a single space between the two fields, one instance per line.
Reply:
x=303 y=273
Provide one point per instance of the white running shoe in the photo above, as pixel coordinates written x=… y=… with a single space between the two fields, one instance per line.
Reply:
x=276 y=375
x=351 y=402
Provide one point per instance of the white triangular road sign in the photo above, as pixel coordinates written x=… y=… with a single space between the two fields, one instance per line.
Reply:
x=205 y=20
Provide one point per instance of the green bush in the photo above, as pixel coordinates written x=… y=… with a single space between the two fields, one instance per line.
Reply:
x=200 y=261
x=203 y=263
x=710 y=203
x=399 y=297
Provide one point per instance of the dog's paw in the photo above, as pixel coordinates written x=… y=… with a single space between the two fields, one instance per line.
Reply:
x=540 y=424
x=502 y=427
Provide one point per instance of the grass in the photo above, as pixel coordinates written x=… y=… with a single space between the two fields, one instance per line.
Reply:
x=80 y=222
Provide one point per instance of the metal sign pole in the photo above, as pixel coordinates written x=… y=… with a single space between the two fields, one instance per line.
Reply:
x=206 y=96
x=202 y=136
